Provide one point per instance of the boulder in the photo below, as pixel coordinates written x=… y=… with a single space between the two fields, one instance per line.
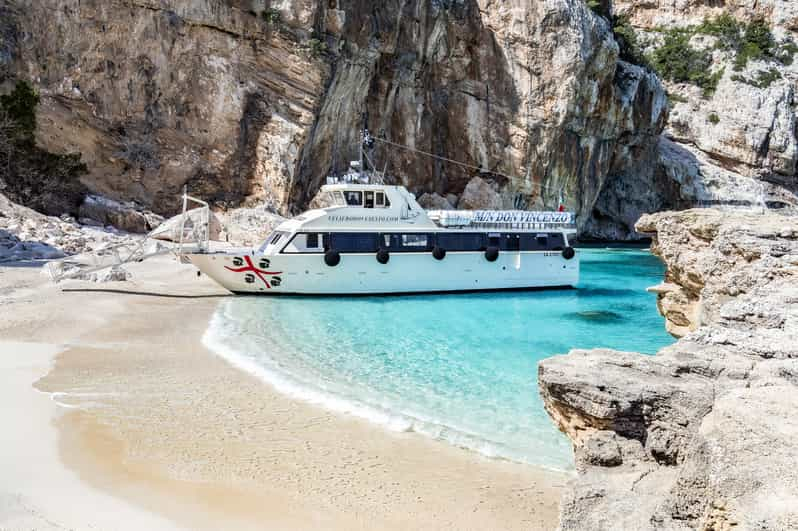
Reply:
x=480 y=194
x=248 y=226
x=128 y=217
x=28 y=235
x=434 y=201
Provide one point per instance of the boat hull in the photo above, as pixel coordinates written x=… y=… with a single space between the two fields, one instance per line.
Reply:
x=405 y=273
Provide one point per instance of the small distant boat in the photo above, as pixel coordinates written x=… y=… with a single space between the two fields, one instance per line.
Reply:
x=376 y=239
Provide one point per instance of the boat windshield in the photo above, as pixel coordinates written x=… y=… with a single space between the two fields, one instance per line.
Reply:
x=335 y=198
x=274 y=238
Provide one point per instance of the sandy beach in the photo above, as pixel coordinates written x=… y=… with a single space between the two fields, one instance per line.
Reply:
x=123 y=419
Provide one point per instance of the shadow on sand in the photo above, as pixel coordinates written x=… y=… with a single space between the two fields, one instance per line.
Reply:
x=147 y=293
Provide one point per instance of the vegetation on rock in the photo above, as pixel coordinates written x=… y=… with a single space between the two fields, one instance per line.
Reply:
x=20 y=108
x=272 y=16
x=623 y=32
x=29 y=175
x=764 y=78
x=751 y=41
x=316 y=45
x=677 y=60
x=628 y=45
x=672 y=96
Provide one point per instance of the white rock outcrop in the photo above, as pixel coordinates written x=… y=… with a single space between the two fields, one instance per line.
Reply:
x=701 y=435
x=247 y=226
x=28 y=235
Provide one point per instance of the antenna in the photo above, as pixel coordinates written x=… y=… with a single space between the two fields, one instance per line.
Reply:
x=365 y=140
x=360 y=152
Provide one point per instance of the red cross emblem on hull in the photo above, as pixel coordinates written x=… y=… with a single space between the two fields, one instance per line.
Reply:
x=250 y=269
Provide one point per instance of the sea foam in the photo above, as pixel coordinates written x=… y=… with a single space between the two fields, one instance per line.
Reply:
x=218 y=337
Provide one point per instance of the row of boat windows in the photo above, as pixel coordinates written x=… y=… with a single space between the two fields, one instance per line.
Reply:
x=369 y=242
x=359 y=198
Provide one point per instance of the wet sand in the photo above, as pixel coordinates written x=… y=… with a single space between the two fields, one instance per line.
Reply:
x=141 y=414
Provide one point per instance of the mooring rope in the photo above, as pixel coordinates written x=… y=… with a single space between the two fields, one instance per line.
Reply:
x=465 y=165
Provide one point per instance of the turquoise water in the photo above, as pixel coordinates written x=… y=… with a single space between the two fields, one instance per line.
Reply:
x=461 y=368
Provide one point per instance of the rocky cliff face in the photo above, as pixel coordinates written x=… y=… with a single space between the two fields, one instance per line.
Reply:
x=247 y=102
x=700 y=436
x=156 y=95
x=735 y=140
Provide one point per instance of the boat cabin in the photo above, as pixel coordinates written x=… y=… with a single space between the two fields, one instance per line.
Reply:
x=364 y=218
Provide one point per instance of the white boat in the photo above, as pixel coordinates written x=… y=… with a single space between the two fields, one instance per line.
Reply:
x=376 y=239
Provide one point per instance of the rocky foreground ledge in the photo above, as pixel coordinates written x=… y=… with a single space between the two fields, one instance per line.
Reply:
x=704 y=435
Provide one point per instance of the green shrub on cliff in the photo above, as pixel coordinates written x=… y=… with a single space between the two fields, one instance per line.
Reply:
x=628 y=44
x=677 y=60
x=316 y=46
x=20 y=107
x=747 y=41
x=786 y=52
x=763 y=79
x=30 y=175
x=726 y=28
x=599 y=7
x=272 y=16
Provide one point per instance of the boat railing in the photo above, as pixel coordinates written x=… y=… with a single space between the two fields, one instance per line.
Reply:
x=354 y=176
x=187 y=232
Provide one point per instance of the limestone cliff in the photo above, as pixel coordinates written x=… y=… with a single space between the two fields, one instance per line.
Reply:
x=731 y=136
x=700 y=436
x=250 y=101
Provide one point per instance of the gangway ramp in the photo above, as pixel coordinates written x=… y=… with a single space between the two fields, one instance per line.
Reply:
x=186 y=232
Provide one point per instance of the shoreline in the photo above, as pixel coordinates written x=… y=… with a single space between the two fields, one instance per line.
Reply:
x=158 y=420
x=63 y=500
x=294 y=388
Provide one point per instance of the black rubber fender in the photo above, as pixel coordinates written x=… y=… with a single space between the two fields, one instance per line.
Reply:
x=491 y=254
x=332 y=258
x=438 y=252
x=383 y=256
x=568 y=253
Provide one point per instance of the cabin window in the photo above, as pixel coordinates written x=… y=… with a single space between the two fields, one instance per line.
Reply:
x=354 y=242
x=494 y=240
x=273 y=239
x=368 y=199
x=414 y=240
x=302 y=243
x=338 y=198
x=379 y=199
x=463 y=241
x=551 y=241
x=354 y=197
